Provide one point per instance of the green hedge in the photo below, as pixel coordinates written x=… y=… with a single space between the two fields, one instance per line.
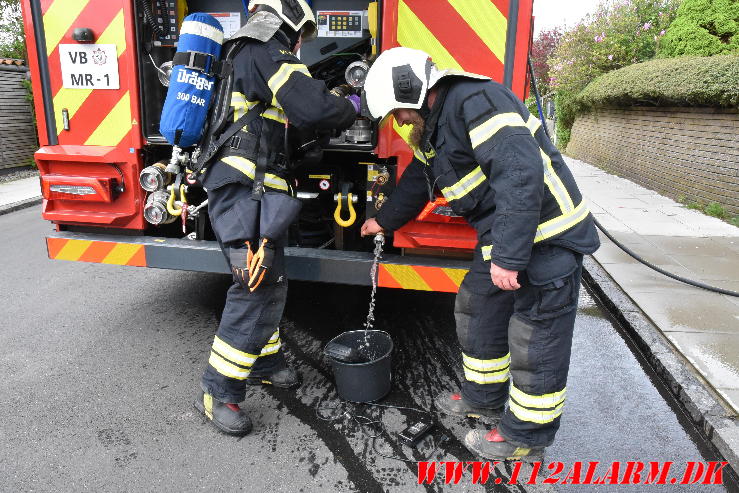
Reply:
x=704 y=28
x=685 y=81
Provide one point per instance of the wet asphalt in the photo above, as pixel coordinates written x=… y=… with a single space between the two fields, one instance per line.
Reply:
x=100 y=365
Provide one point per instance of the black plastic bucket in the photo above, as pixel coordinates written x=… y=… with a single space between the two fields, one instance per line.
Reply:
x=369 y=380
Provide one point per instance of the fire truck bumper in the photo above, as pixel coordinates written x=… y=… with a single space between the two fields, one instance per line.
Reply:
x=303 y=264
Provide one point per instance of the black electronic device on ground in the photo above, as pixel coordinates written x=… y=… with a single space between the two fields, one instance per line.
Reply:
x=416 y=432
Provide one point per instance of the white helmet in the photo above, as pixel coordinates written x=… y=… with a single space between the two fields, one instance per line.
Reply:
x=295 y=13
x=401 y=78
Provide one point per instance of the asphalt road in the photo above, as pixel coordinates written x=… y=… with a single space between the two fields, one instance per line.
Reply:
x=100 y=365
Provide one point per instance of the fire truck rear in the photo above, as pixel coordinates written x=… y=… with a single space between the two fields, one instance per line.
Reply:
x=99 y=72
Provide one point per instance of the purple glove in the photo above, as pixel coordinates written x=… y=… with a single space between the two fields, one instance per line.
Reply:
x=356 y=102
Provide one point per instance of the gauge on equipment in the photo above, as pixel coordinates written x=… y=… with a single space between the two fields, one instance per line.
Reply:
x=356 y=73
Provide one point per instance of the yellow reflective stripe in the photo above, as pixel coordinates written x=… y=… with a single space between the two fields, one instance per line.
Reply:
x=486 y=364
x=487 y=21
x=275 y=113
x=249 y=169
x=550 y=228
x=533 y=124
x=59 y=18
x=271 y=348
x=412 y=33
x=487 y=252
x=230 y=352
x=537 y=416
x=465 y=185
x=545 y=401
x=227 y=369
x=241 y=105
x=73 y=250
x=555 y=185
x=273 y=345
x=486 y=378
x=423 y=156
x=274 y=337
x=282 y=75
x=562 y=223
x=208 y=405
x=407 y=277
x=115 y=126
x=121 y=254
x=486 y=130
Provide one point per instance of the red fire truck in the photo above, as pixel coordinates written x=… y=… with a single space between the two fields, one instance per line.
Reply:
x=99 y=69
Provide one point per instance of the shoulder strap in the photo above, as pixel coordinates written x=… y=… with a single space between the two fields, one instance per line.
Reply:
x=261 y=164
x=215 y=146
x=202 y=62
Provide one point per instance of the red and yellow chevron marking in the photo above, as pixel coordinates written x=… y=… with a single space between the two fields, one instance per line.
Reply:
x=97 y=117
x=420 y=278
x=101 y=252
x=465 y=35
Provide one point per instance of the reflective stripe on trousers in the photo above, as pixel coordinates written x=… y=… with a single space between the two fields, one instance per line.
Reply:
x=532 y=327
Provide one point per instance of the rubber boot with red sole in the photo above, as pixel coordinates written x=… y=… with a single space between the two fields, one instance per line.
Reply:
x=455 y=405
x=229 y=418
x=492 y=446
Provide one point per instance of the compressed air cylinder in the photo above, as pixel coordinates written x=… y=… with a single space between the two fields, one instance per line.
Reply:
x=191 y=89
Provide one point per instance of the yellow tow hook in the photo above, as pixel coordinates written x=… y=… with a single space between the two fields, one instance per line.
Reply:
x=170 y=203
x=350 y=205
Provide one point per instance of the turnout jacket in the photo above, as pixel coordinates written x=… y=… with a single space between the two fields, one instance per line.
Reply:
x=270 y=73
x=497 y=168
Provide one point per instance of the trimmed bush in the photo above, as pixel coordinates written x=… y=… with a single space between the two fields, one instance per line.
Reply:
x=619 y=33
x=685 y=81
x=702 y=27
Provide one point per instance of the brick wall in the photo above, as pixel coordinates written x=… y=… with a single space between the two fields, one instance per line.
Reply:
x=18 y=139
x=678 y=152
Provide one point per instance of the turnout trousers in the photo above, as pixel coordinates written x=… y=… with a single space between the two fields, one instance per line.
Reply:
x=247 y=342
x=516 y=344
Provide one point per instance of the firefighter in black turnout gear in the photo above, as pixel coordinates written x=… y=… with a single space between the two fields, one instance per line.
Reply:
x=251 y=204
x=515 y=310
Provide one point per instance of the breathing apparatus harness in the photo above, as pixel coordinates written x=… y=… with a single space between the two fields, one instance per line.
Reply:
x=196 y=114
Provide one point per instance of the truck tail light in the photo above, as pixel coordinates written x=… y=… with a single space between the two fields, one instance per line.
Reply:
x=439 y=211
x=55 y=187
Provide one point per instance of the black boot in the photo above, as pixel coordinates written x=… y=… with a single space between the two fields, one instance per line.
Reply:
x=455 y=405
x=492 y=446
x=228 y=418
x=285 y=378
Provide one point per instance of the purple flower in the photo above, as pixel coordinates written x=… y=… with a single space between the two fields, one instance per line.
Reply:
x=662 y=32
x=610 y=57
x=647 y=26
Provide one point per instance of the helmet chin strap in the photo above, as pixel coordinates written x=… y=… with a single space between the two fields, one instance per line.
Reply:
x=424 y=110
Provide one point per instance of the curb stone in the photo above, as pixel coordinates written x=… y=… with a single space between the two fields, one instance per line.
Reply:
x=707 y=412
x=16 y=206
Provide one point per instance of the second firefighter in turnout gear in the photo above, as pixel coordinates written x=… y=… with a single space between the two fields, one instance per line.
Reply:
x=478 y=145
x=250 y=202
